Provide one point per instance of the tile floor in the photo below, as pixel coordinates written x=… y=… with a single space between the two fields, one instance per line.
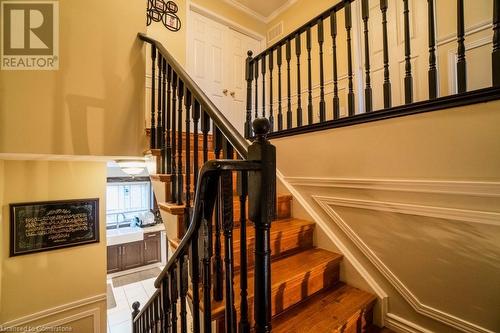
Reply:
x=119 y=317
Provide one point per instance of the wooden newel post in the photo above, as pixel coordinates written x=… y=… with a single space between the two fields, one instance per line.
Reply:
x=135 y=312
x=262 y=208
x=249 y=76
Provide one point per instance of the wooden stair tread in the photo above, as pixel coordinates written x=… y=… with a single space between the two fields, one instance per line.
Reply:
x=326 y=311
x=172 y=208
x=290 y=275
x=162 y=177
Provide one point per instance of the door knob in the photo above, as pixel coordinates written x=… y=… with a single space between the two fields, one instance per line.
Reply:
x=232 y=93
x=224 y=92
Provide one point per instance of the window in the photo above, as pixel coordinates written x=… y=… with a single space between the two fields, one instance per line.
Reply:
x=125 y=201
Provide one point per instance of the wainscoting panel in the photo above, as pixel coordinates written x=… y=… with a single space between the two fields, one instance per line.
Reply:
x=436 y=242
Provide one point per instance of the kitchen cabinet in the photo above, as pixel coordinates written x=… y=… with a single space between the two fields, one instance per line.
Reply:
x=114 y=261
x=132 y=255
x=135 y=254
x=152 y=248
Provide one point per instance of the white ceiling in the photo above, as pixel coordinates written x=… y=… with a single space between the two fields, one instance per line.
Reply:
x=263 y=9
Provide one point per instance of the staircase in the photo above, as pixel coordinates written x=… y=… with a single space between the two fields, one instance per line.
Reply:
x=240 y=259
x=306 y=292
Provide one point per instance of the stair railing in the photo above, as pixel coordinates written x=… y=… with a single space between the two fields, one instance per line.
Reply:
x=198 y=261
x=283 y=59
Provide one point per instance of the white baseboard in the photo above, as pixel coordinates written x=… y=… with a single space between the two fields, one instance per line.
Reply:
x=398 y=324
x=21 y=321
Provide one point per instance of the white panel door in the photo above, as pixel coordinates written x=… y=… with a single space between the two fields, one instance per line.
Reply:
x=206 y=57
x=216 y=60
x=239 y=45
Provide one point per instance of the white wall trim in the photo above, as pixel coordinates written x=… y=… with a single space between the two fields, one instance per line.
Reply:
x=94 y=313
x=379 y=291
x=472 y=188
x=280 y=10
x=258 y=16
x=398 y=324
x=480 y=26
x=246 y=10
x=227 y=22
x=54 y=310
x=417 y=305
x=449 y=214
x=452 y=61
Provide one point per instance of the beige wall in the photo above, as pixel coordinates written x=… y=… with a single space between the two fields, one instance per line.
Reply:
x=41 y=281
x=92 y=104
x=415 y=200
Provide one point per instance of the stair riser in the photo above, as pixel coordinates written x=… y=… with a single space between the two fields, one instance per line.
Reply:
x=284 y=204
x=292 y=293
x=281 y=245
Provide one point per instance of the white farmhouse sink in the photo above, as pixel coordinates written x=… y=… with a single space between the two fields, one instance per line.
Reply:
x=124 y=235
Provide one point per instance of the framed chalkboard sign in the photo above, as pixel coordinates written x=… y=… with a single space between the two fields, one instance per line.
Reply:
x=43 y=226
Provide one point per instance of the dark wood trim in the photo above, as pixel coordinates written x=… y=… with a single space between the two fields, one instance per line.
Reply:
x=468 y=98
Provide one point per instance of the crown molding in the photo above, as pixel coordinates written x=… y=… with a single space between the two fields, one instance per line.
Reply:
x=247 y=10
x=280 y=10
x=260 y=17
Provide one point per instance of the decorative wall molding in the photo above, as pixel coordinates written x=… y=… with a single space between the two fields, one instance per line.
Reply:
x=95 y=313
x=393 y=321
x=326 y=204
x=452 y=61
x=399 y=324
x=280 y=10
x=450 y=214
x=472 y=188
x=480 y=26
x=379 y=291
x=54 y=311
x=247 y=10
x=258 y=16
x=225 y=21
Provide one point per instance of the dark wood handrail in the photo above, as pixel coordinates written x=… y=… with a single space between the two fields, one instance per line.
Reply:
x=228 y=130
x=210 y=168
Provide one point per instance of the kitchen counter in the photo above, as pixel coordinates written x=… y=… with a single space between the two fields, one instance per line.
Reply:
x=155 y=228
